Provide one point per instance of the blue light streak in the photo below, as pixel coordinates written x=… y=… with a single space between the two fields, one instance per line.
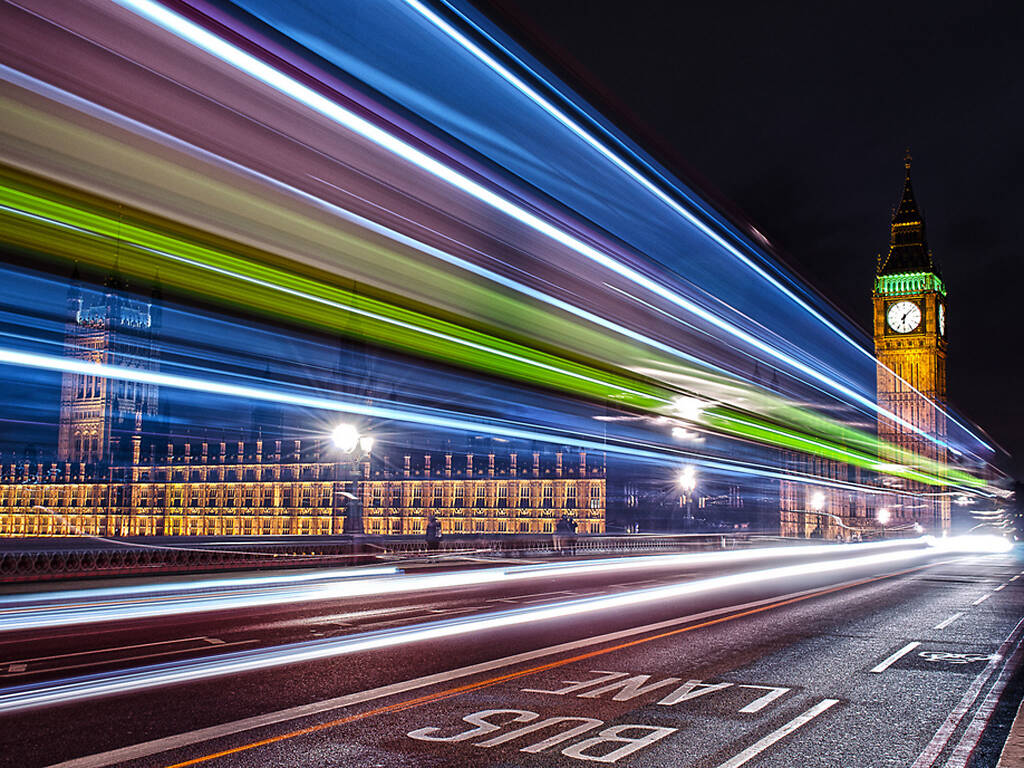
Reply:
x=277 y=80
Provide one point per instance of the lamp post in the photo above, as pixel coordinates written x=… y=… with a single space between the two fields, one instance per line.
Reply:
x=816 y=503
x=884 y=517
x=688 y=482
x=352 y=446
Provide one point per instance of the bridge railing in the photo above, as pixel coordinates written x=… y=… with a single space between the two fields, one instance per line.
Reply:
x=54 y=559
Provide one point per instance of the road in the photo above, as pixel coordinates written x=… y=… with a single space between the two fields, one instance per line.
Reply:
x=868 y=664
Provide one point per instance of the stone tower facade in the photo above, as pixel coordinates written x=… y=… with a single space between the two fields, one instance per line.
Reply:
x=910 y=344
x=98 y=415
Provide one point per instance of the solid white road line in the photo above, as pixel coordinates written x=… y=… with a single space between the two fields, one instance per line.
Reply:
x=156 y=746
x=946 y=622
x=761 y=745
x=981 y=599
x=895 y=657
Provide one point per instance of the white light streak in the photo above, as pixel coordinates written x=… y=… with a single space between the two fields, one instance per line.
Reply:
x=120 y=604
x=50 y=693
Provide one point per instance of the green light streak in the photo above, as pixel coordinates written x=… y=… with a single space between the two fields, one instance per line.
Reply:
x=70 y=227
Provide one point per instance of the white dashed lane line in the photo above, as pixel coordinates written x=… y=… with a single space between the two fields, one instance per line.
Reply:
x=895 y=657
x=946 y=622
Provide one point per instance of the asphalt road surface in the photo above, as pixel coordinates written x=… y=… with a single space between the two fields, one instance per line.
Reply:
x=903 y=663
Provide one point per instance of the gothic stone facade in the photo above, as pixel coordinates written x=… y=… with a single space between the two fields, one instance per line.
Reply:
x=208 y=490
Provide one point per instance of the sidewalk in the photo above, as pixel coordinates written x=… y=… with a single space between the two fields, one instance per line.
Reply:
x=1013 y=750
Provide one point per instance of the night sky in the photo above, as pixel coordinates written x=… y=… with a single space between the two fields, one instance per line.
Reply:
x=796 y=117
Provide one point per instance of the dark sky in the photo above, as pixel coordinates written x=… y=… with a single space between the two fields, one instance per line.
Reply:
x=798 y=114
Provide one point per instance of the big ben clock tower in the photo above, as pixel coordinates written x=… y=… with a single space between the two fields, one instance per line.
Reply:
x=910 y=344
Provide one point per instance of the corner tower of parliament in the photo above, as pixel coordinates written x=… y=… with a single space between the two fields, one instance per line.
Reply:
x=97 y=414
x=910 y=344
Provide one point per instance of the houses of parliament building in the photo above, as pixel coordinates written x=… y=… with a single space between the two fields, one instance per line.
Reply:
x=111 y=477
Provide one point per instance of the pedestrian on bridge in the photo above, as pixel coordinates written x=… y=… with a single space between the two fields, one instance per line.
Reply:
x=433 y=534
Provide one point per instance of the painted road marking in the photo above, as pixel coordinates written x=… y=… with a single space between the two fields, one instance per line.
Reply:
x=106 y=650
x=137 y=657
x=895 y=657
x=627 y=688
x=938 y=743
x=613 y=735
x=470 y=609
x=1015 y=577
x=972 y=735
x=774 y=692
x=956 y=658
x=585 y=724
x=999 y=588
x=524 y=597
x=945 y=623
x=981 y=599
x=198 y=736
x=761 y=745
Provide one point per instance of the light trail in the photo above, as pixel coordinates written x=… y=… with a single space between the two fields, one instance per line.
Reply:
x=648 y=398
x=259 y=70
x=191 y=587
x=424 y=417
x=122 y=604
x=154 y=676
x=592 y=141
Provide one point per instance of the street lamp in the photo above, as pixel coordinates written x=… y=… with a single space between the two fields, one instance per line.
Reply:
x=688 y=482
x=345 y=437
x=353 y=446
x=688 y=478
x=815 y=504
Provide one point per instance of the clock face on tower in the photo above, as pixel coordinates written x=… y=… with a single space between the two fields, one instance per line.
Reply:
x=903 y=316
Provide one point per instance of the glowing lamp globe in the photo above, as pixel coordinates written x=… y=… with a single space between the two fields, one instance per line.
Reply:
x=345 y=437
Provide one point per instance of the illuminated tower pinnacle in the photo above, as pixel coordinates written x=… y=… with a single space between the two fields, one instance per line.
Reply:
x=908 y=244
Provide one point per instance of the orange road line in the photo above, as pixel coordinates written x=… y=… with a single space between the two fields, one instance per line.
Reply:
x=459 y=690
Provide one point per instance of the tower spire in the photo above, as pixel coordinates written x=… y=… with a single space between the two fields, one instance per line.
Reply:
x=908 y=244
